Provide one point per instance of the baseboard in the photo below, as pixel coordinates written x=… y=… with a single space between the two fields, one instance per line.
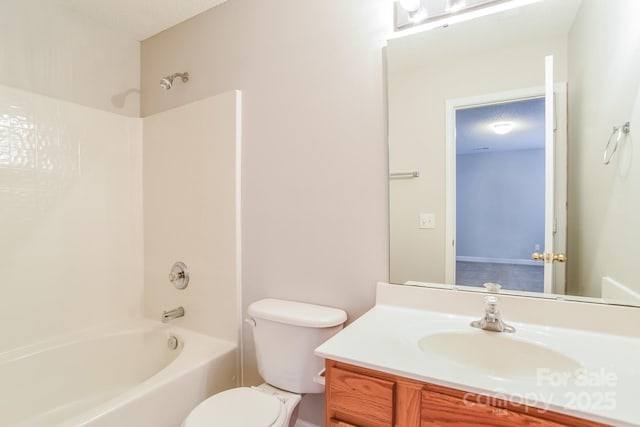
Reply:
x=517 y=261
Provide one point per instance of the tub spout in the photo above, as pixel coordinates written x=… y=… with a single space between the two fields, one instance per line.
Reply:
x=172 y=314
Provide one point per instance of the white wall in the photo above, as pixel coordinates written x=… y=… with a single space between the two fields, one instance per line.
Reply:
x=53 y=51
x=71 y=215
x=417 y=97
x=314 y=147
x=500 y=204
x=190 y=213
x=603 y=200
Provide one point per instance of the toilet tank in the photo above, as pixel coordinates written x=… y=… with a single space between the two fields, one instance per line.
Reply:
x=285 y=334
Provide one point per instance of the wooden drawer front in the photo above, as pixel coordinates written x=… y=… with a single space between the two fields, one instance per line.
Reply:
x=443 y=410
x=338 y=423
x=369 y=400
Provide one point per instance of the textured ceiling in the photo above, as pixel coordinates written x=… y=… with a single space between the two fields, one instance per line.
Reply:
x=140 y=19
x=474 y=133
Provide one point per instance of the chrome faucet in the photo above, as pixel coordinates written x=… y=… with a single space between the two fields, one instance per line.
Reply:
x=172 y=314
x=492 y=320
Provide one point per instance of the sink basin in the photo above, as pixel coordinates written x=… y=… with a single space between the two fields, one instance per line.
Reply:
x=501 y=355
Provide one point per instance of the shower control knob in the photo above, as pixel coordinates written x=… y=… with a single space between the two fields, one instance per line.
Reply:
x=175 y=276
x=179 y=275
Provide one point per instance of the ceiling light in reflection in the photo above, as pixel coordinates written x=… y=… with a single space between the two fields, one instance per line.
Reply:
x=502 y=128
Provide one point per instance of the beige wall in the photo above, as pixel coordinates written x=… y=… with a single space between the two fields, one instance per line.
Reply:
x=53 y=51
x=417 y=99
x=71 y=215
x=314 y=148
x=604 y=91
x=190 y=213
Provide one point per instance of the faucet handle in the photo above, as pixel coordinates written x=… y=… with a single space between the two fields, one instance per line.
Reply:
x=492 y=320
x=491 y=299
x=491 y=303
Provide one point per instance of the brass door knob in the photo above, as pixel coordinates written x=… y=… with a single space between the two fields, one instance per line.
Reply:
x=537 y=256
x=559 y=257
x=547 y=257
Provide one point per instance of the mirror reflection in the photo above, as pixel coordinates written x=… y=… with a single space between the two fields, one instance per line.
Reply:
x=500 y=202
x=499 y=165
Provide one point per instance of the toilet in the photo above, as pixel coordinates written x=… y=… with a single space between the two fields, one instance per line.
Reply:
x=285 y=334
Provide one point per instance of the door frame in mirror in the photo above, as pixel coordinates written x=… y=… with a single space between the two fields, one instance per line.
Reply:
x=450 y=164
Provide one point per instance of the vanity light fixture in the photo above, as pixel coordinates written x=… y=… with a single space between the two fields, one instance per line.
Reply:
x=405 y=26
x=502 y=128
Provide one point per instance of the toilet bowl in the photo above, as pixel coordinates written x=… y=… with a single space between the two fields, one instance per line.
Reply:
x=285 y=334
x=261 y=406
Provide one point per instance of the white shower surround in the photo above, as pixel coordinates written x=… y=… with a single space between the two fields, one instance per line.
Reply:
x=71 y=190
x=71 y=197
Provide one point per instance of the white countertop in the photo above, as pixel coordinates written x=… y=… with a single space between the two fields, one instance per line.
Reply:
x=605 y=389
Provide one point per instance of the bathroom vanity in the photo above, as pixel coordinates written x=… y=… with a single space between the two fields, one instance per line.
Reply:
x=367 y=398
x=415 y=360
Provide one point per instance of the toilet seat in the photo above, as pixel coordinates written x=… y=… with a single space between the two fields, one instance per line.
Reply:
x=238 y=407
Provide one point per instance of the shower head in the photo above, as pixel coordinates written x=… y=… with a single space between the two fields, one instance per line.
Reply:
x=167 y=82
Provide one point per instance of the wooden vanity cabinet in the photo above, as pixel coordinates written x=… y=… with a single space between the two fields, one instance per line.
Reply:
x=359 y=397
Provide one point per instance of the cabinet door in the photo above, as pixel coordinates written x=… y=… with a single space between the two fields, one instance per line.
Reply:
x=361 y=399
x=440 y=410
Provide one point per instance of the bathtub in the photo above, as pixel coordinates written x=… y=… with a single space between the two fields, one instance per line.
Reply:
x=122 y=375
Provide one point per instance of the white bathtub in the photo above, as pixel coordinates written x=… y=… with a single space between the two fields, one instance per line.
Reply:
x=120 y=375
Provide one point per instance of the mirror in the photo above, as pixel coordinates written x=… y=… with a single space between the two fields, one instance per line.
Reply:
x=472 y=201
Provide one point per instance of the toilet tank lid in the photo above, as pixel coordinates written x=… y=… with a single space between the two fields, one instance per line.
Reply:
x=297 y=313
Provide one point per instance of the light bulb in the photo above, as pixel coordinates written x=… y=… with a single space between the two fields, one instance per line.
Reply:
x=418 y=16
x=455 y=5
x=410 y=5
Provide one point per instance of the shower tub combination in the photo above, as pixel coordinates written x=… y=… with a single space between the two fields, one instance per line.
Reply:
x=133 y=374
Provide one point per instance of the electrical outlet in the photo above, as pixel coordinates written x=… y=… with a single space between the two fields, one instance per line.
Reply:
x=427 y=220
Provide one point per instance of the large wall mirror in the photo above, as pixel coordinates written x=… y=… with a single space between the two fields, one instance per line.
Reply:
x=512 y=156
